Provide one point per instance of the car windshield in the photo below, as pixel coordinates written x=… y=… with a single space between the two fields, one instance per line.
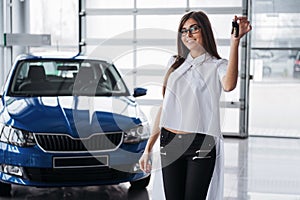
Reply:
x=49 y=77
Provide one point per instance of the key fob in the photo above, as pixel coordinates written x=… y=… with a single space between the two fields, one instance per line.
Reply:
x=235 y=29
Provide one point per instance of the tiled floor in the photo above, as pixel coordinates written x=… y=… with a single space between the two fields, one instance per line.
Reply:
x=256 y=168
x=262 y=168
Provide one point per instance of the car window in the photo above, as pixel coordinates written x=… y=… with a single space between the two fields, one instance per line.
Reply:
x=66 y=78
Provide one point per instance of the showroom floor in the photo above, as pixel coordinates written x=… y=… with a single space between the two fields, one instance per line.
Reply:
x=256 y=168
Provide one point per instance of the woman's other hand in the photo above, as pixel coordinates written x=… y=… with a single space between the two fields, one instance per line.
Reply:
x=145 y=162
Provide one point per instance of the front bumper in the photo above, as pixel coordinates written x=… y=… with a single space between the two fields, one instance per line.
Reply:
x=38 y=169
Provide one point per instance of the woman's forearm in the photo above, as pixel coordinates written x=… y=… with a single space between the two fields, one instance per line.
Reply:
x=155 y=132
x=230 y=79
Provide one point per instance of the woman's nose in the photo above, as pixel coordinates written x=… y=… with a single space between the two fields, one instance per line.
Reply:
x=189 y=35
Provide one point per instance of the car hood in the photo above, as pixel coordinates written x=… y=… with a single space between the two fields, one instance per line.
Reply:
x=77 y=116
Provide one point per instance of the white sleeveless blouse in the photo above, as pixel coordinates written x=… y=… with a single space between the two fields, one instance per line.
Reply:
x=191 y=101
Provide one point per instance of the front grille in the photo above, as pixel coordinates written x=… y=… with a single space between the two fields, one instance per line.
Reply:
x=50 y=175
x=65 y=143
x=80 y=161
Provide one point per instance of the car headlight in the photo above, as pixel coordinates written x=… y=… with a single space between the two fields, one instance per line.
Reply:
x=137 y=134
x=16 y=137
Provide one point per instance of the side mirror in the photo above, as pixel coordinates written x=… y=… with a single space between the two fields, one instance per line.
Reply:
x=137 y=92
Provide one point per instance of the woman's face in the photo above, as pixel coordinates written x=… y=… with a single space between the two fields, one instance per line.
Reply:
x=191 y=35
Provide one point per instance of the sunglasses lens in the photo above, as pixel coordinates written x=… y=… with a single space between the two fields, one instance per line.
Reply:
x=194 y=29
x=183 y=31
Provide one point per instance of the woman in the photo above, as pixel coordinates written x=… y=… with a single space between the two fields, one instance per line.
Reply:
x=188 y=122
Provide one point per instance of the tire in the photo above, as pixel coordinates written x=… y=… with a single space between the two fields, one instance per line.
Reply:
x=141 y=183
x=5 y=189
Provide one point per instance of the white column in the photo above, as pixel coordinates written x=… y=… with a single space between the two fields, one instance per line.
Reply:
x=6 y=26
x=20 y=23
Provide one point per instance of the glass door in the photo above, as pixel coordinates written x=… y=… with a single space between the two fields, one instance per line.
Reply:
x=275 y=66
x=146 y=39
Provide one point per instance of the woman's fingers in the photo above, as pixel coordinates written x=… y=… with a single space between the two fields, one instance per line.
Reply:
x=144 y=163
x=242 y=18
x=244 y=24
x=148 y=167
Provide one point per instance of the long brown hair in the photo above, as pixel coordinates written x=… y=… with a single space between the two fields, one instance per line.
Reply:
x=209 y=43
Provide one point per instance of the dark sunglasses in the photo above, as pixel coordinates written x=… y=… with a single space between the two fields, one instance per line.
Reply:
x=192 y=30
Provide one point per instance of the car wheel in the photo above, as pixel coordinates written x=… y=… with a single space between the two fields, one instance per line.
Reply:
x=5 y=189
x=140 y=184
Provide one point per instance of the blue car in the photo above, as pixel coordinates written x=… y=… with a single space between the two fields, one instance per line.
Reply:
x=69 y=122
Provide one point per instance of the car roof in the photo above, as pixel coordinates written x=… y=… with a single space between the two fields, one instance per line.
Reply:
x=58 y=55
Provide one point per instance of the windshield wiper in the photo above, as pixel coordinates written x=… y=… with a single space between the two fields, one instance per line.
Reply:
x=14 y=94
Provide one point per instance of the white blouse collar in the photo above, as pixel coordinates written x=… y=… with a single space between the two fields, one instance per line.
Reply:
x=198 y=60
x=189 y=63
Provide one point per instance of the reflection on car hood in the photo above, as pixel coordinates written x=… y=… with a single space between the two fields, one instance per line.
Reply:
x=77 y=116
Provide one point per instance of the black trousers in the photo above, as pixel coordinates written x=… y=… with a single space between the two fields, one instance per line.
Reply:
x=188 y=162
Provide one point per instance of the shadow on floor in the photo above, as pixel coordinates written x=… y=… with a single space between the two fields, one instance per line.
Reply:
x=111 y=192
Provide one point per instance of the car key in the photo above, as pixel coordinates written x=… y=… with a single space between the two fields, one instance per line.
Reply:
x=235 y=28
